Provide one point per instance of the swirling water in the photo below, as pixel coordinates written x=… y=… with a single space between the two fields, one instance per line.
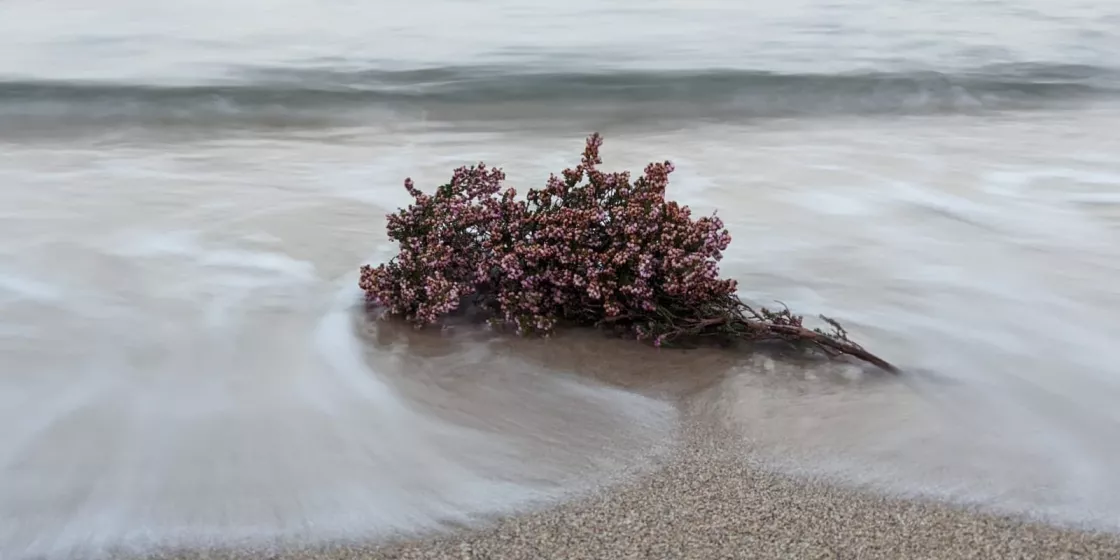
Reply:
x=188 y=189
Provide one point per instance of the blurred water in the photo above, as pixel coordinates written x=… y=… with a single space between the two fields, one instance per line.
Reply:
x=188 y=190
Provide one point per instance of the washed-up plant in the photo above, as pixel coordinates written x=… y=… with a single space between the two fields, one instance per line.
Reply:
x=591 y=248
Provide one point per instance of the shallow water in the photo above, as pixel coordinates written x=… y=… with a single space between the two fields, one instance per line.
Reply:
x=186 y=198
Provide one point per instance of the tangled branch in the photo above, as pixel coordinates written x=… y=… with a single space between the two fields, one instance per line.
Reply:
x=590 y=248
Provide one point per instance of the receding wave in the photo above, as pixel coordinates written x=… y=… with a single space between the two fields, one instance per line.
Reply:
x=314 y=97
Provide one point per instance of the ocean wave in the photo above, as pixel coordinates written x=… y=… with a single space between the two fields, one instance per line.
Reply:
x=315 y=97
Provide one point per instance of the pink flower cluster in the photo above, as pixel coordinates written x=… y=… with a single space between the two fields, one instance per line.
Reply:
x=591 y=247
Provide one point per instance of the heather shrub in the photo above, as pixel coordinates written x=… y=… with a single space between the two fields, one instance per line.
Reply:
x=591 y=248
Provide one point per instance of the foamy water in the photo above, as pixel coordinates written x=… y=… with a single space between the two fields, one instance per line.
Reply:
x=186 y=198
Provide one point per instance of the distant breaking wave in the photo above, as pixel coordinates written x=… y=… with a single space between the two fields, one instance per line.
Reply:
x=313 y=97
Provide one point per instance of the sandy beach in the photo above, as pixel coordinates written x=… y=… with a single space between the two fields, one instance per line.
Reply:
x=709 y=505
x=707 y=502
x=718 y=493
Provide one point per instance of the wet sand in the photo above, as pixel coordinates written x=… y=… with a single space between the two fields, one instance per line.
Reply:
x=716 y=494
x=709 y=503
